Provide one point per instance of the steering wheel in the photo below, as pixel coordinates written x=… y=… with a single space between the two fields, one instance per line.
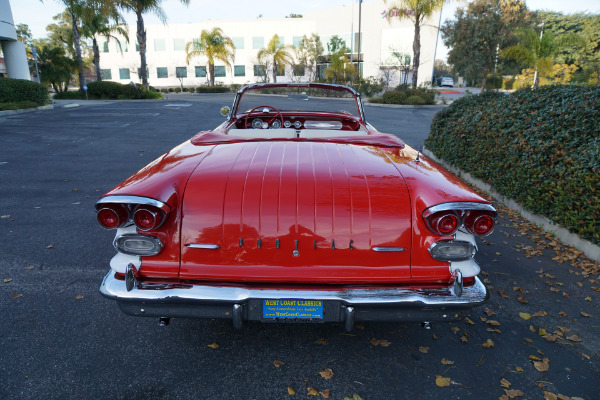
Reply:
x=277 y=114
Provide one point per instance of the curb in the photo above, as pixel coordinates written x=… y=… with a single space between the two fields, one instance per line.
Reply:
x=403 y=105
x=25 y=110
x=590 y=249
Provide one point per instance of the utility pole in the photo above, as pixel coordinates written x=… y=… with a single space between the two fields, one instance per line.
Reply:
x=359 y=37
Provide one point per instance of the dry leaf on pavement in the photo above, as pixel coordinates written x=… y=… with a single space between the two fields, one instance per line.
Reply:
x=488 y=343
x=543 y=365
x=489 y=312
x=312 y=391
x=447 y=362
x=278 y=363
x=504 y=383
x=322 y=341
x=325 y=393
x=574 y=338
x=441 y=381
x=16 y=296
x=6 y=280
x=78 y=297
x=30 y=267
x=384 y=343
x=327 y=373
x=550 y=396
x=291 y=391
x=513 y=393
x=423 y=349
x=585 y=314
x=525 y=315
x=213 y=346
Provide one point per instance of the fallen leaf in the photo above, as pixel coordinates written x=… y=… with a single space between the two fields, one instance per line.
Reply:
x=525 y=316
x=562 y=313
x=278 y=363
x=489 y=312
x=423 y=350
x=322 y=341
x=6 y=280
x=585 y=314
x=513 y=393
x=78 y=297
x=374 y=342
x=588 y=299
x=312 y=391
x=441 y=381
x=504 y=383
x=455 y=329
x=447 y=362
x=493 y=323
x=542 y=332
x=50 y=246
x=550 y=338
x=564 y=329
x=16 y=296
x=354 y=397
x=549 y=396
x=531 y=328
x=360 y=326
x=468 y=321
x=464 y=339
x=327 y=373
x=534 y=358
x=503 y=397
x=574 y=338
x=213 y=346
x=563 y=397
x=291 y=391
x=502 y=294
x=540 y=314
x=488 y=343
x=587 y=357
x=30 y=267
x=542 y=366
x=325 y=393
x=384 y=343
x=528 y=340
x=522 y=300
x=579 y=284
x=519 y=369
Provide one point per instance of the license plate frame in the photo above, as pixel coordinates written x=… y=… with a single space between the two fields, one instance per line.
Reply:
x=293 y=309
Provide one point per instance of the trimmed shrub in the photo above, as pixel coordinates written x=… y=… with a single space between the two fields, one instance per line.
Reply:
x=104 y=89
x=18 y=105
x=72 y=95
x=376 y=100
x=540 y=147
x=507 y=83
x=150 y=94
x=212 y=89
x=394 y=97
x=177 y=90
x=16 y=90
x=414 y=100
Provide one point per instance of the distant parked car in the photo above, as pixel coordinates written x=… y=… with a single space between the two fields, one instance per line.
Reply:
x=447 y=82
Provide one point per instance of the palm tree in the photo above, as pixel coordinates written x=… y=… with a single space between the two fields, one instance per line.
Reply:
x=215 y=46
x=141 y=7
x=97 y=25
x=533 y=51
x=417 y=11
x=278 y=54
x=55 y=65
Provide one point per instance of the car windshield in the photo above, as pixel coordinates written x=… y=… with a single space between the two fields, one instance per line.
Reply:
x=303 y=97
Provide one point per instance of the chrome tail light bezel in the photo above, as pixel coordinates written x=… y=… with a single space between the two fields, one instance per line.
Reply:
x=129 y=206
x=466 y=212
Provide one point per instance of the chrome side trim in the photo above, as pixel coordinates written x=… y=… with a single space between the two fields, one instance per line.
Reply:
x=198 y=294
x=132 y=200
x=382 y=248
x=208 y=246
x=461 y=205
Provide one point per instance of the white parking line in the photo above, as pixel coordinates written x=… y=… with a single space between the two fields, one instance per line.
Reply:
x=3 y=162
x=178 y=105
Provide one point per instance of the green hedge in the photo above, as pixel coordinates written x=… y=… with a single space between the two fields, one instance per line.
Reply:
x=18 y=105
x=406 y=95
x=16 y=90
x=212 y=89
x=540 y=147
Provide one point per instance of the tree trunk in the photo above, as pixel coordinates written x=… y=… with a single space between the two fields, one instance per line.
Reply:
x=416 y=50
x=77 y=45
x=536 y=80
x=97 y=59
x=484 y=80
x=141 y=38
x=274 y=71
x=211 y=73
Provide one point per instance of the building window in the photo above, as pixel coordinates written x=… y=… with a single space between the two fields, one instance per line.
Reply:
x=239 y=70
x=298 y=70
x=259 y=70
x=105 y=47
x=238 y=42
x=160 y=45
x=137 y=46
x=220 y=71
x=162 y=72
x=281 y=40
x=197 y=45
x=297 y=40
x=201 y=72
x=106 y=74
x=124 y=73
x=123 y=46
x=258 y=42
x=181 y=72
x=178 y=44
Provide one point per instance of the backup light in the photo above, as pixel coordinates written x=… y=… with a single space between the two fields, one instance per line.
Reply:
x=457 y=250
x=138 y=245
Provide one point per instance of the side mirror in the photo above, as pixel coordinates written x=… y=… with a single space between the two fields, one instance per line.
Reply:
x=225 y=111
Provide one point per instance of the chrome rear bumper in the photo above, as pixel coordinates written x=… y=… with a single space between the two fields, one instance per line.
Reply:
x=241 y=302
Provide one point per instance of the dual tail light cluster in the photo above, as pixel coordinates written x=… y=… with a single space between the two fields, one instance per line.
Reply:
x=146 y=214
x=445 y=219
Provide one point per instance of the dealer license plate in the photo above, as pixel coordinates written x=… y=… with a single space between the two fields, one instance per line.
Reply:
x=303 y=309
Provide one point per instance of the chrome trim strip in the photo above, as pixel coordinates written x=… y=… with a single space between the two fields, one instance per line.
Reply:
x=195 y=294
x=132 y=200
x=461 y=205
x=382 y=248
x=208 y=246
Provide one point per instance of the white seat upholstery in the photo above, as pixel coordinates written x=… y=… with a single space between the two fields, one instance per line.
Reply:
x=264 y=133
x=317 y=133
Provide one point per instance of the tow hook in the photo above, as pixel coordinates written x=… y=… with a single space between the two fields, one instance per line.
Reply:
x=164 y=321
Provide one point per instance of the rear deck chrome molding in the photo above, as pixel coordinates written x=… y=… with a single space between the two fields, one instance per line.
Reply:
x=208 y=246
x=381 y=248
x=461 y=205
x=199 y=294
x=132 y=200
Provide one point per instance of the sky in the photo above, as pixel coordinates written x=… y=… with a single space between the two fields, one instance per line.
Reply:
x=38 y=14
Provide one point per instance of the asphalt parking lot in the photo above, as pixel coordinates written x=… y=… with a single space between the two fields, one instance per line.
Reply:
x=536 y=338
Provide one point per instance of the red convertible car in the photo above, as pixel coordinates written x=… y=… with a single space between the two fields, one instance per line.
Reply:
x=295 y=209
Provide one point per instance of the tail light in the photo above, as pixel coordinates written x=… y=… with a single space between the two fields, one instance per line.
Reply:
x=145 y=213
x=445 y=219
x=112 y=216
